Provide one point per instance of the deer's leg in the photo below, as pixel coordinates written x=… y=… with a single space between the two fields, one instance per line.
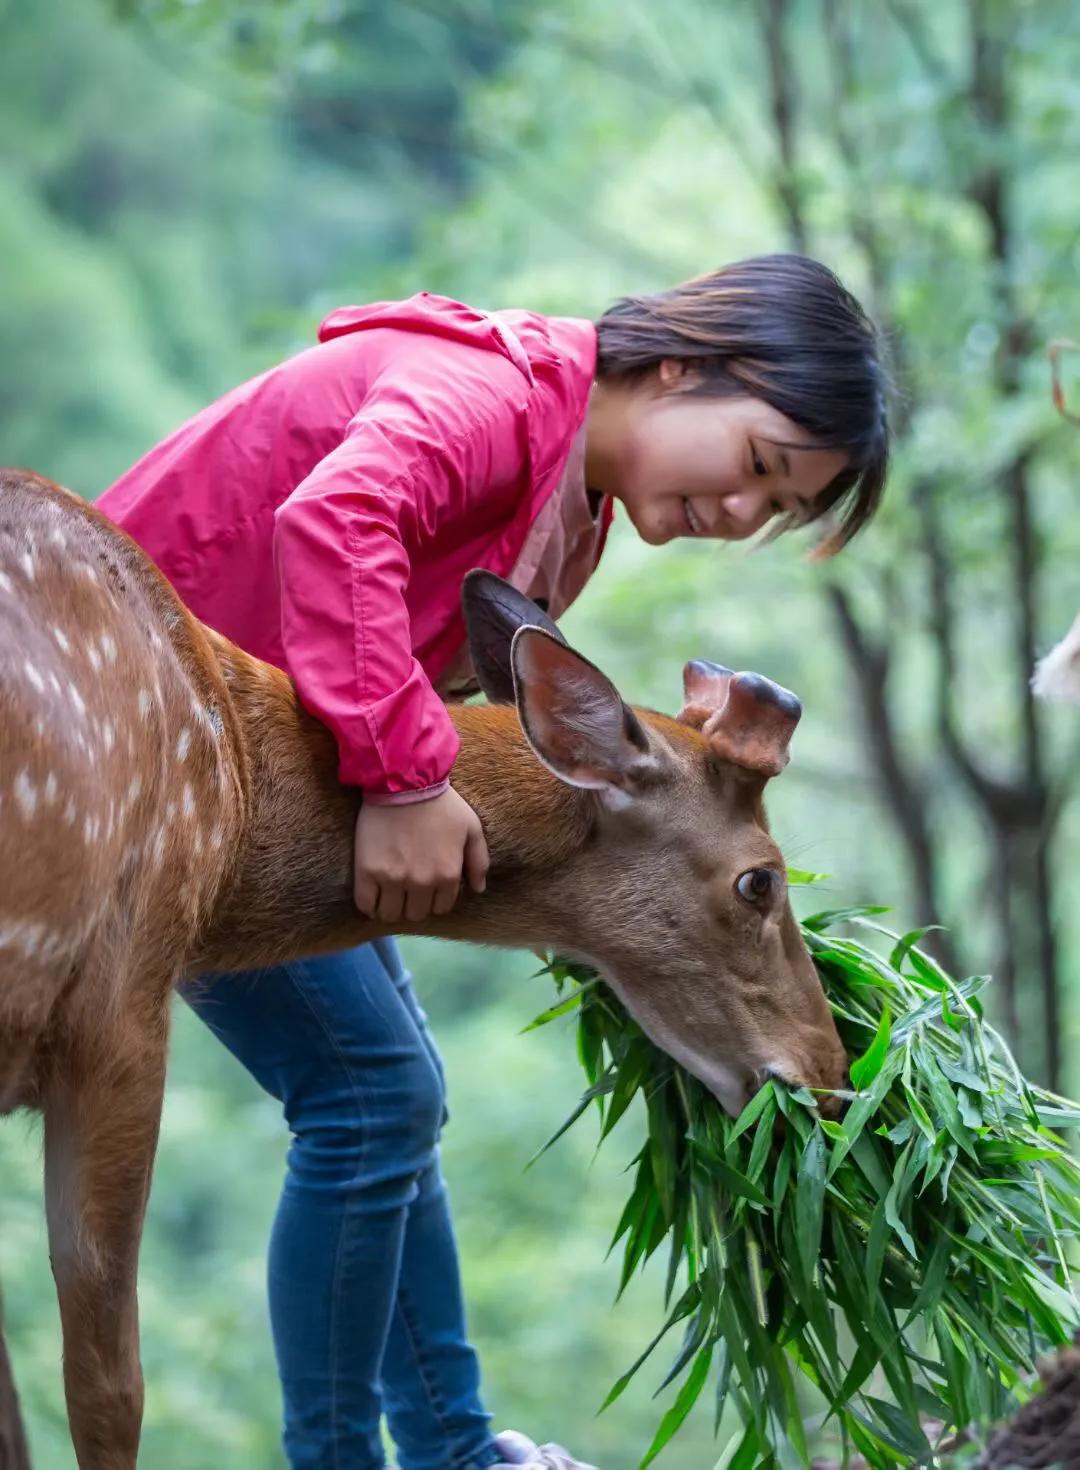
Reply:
x=101 y=1125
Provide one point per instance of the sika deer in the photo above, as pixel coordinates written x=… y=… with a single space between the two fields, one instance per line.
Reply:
x=168 y=808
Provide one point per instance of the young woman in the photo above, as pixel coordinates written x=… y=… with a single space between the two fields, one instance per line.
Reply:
x=323 y=516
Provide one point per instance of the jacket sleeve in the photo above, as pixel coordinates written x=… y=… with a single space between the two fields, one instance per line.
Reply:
x=414 y=456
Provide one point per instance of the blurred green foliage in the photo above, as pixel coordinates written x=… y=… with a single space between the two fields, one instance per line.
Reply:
x=184 y=188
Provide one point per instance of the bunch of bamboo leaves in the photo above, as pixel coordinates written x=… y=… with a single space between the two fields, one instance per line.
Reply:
x=909 y=1262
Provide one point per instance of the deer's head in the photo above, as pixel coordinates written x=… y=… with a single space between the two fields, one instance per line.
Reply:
x=678 y=893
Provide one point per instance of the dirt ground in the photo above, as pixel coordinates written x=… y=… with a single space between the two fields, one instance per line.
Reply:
x=1046 y=1431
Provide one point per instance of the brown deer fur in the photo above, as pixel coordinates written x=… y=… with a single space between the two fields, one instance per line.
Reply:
x=168 y=808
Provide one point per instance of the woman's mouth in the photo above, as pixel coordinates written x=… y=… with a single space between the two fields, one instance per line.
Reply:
x=693 y=522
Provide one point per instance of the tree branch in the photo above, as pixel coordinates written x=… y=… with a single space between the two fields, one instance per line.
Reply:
x=781 y=92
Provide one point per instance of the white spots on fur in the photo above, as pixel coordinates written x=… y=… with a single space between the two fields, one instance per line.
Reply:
x=51 y=789
x=26 y=797
x=108 y=648
x=57 y=687
x=183 y=744
x=84 y=569
x=108 y=735
x=197 y=842
x=170 y=811
x=32 y=940
x=78 y=701
x=69 y=812
x=144 y=702
x=217 y=837
x=57 y=537
x=158 y=847
x=62 y=639
x=26 y=561
x=188 y=798
x=34 y=676
x=94 y=657
x=6 y=584
x=155 y=641
x=91 y=827
x=134 y=789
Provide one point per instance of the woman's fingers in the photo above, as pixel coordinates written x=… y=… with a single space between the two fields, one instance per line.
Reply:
x=446 y=896
x=419 y=900
x=477 y=859
x=365 y=893
x=391 y=905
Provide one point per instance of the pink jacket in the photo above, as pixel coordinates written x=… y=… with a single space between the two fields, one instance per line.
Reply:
x=324 y=514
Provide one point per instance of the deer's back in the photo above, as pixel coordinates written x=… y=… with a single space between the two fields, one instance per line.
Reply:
x=120 y=789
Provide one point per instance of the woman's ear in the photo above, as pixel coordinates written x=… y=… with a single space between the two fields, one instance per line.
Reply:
x=676 y=374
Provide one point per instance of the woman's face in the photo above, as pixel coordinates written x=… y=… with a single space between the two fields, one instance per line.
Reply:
x=685 y=465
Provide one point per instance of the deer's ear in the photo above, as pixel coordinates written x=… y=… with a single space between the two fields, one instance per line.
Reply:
x=755 y=724
x=494 y=611
x=705 y=688
x=574 y=717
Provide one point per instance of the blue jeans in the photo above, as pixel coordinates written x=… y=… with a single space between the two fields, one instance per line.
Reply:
x=365 y=1291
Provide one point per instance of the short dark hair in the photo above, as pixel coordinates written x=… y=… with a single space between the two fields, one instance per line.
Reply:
x=784 y=329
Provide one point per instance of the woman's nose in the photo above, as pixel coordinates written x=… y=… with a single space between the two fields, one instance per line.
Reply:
x=743 y=508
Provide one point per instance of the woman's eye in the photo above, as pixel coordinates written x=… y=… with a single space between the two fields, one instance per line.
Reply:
x=755 y=885
x=760 y=467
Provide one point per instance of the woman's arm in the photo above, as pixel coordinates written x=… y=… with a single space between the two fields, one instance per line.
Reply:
x=428 y=444
x=422 y=451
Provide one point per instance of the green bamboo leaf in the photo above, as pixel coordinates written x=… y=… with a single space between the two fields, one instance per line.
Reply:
x=746 y=1456
x=564 y=1008
x=829 y=918
x=763 y=1140
x=688 y=1396
x=822 y=1248
x=865 y=1106
x=809 y=1203
x=781 y=1179
x=865 y=1068
x=800 y=876
x=686 y=1304
x=934 y=1279
x=910 y=939
x=633 y=1069
x=734 y=1182
x=899 y=1430
x=894 y=1200
x=875 y=1246
x=603 y=1085
x=944 y=1100
x=754 y=1108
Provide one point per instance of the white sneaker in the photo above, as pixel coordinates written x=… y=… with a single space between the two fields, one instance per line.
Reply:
x=521 y=1453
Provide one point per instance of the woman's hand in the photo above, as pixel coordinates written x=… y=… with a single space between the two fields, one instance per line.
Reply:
x=410 y=859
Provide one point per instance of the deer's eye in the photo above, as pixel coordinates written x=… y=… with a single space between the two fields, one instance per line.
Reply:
x=755 y=885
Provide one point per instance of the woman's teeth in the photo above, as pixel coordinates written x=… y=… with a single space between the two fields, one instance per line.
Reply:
x=696 y=528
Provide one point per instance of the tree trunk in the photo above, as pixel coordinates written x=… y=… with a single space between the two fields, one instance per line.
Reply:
x=14 y=1454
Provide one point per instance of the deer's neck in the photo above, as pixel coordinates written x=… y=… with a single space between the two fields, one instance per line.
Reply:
x=291 y=889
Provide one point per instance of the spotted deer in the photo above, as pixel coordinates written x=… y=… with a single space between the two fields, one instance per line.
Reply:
x=168 y=808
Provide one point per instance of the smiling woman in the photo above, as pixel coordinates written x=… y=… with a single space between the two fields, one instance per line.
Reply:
x=323 y=516
x=748 y=396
